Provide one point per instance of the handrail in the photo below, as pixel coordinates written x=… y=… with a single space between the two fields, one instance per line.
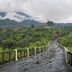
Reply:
x=67 y=50
x=68 y=55
x=16 y=54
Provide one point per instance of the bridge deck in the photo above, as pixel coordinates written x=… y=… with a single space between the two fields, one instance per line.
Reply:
x=52 y=60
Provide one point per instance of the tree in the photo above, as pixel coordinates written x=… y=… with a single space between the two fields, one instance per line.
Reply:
x=50 y=23
x=32 y=26
x=8 y=44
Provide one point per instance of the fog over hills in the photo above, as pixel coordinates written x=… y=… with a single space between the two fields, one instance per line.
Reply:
x=26 y=20
x=35 y=12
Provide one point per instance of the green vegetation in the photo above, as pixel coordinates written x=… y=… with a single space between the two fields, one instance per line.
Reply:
x=12 y=38
x=66 y=41
x=24 y=38
x=0 y=49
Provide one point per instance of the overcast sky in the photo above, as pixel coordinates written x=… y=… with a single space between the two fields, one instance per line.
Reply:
x=55 y=10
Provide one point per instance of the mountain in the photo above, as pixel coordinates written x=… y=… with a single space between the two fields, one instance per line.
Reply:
x=51 y=24
x=8 y=22
x=28 y=23
x=27 y=20
x=31 y=22
x=65 y=25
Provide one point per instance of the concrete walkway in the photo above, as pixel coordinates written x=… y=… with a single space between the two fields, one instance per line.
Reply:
x=52 y=60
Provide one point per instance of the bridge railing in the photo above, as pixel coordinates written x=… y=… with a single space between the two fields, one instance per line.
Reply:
x=68 y=56
x=8 y=56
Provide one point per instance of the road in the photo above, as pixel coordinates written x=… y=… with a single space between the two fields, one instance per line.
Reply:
x=53 y=60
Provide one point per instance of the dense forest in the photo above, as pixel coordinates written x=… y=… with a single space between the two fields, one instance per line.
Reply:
x=66 y=40
x=11 y=38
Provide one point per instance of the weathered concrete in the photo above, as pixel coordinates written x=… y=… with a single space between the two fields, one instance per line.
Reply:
x=52 y=60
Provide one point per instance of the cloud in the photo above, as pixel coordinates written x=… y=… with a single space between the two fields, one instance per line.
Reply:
x=2 y=14
x=56 y=10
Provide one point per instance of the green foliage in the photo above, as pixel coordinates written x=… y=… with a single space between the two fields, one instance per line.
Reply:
x=0 y=49
x=66 y=40
x=8 y=43
x=24 y=37
x=11 y=38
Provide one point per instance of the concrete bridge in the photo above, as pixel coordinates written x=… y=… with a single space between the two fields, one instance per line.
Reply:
x=53 y=60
